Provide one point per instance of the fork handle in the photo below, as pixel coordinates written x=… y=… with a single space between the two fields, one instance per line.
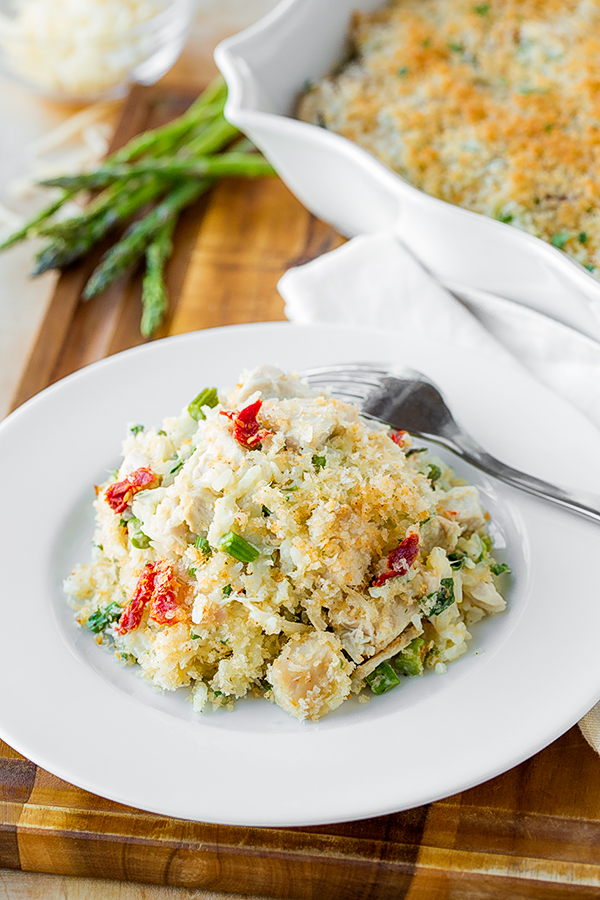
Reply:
x=581 y=502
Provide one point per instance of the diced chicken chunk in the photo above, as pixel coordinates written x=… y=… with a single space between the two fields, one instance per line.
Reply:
x=309 y=427
x=439 y=532
x=311 y=676
x=270 y=383
x=485 y=595
x=461 y=504
x=366 y=625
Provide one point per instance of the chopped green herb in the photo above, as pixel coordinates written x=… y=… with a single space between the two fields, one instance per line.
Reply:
x=403 y=72
x=266 y=511
x=194 y=636
x=499 y=568
x=582 y=237
x=137 y=537
x=122 y=523
x=114 y=473
x=319 y=462
x=178 y=465
x=410 y=661
x=162 y=433
x=382 y=679
x=439 y=600
x=191 y=572
x=456 y=48
x=548 y=126
x=135 y=429
x=207 y=397
x=101 y=618
x=505 y=217
x=218 y=693
x=227 y=590
x=482 y=9
x=426 y=43
x=414 y=450
x=202 y=544
x=559 y=240
x=456 y=560
x=433 y=473
x=238 y=547
x=589 y=267
x=289 y=490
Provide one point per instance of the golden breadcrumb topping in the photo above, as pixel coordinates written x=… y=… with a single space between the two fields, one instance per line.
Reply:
x=493 y=106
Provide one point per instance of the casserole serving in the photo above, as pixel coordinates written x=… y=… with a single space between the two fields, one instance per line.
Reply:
x=268 y=66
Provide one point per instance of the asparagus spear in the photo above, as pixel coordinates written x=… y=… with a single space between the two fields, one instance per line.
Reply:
x=154 y=291
x=64 y=249
x=169 y=166
x=166 y=139
x=133 y=243
x=234 y=163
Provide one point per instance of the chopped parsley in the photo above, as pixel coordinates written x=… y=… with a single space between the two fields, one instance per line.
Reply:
x=178 y=465
x=507 y=218
x=227 y=590
x=266 y=511
x=135 y=429
x=319 y=462
x=433 y=473
x=101 y=618
x=559 y=240
x=582 y=237
x=440 y=600
x=194 y=636
x=191 y=572
x=202 y=544
x=456 y=48
x=499 y=568
x=414 y=450
x=482 y=9
x=456 y=560
x=403 y=72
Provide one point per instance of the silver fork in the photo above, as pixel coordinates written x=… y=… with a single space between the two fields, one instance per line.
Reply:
x=408 y=400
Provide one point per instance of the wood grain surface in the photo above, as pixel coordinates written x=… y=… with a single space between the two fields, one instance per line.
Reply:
x=533 y=832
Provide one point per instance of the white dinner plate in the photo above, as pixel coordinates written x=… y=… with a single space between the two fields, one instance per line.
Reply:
x=71 y=708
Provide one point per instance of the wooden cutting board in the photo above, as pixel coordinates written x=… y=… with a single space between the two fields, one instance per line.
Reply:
x=531 y=833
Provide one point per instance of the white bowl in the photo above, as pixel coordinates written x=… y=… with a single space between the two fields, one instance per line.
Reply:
x=267 y=66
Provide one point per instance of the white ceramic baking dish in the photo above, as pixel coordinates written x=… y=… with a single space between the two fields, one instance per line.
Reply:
x=267 y=66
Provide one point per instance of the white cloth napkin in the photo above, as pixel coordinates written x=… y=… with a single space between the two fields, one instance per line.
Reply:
x=402 y=295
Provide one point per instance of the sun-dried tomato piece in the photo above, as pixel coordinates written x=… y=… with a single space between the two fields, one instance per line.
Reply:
x=133 y=612
x=164 y=608
x=156 y=585
x=246 y=429
x=120 y=494
x=398 y=437
x=400 y=560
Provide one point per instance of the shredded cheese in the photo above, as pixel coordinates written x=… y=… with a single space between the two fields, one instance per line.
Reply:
x=81 y=48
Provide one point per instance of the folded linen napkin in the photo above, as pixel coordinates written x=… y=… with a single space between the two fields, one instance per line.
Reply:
x=333 y=288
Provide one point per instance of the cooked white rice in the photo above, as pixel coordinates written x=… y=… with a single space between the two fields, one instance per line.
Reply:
x=317 y=501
